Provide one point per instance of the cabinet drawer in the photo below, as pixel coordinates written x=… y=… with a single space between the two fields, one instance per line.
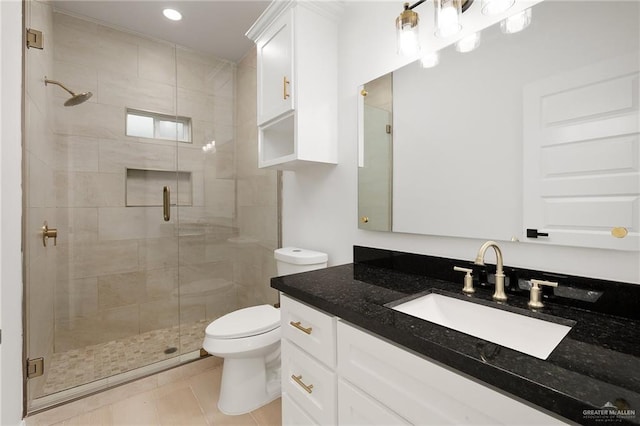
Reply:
x=310 y=384
x=292 y=414
x=358 y=408
x=422 y=391
x=312 y=330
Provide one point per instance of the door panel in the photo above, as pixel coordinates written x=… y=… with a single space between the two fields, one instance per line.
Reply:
x=592 y=114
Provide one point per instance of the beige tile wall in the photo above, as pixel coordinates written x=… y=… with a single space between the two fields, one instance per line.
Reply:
x=256 y=199
x=118 y=273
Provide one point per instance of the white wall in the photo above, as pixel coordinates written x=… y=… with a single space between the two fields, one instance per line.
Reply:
x=10 y=202
x=320 y=205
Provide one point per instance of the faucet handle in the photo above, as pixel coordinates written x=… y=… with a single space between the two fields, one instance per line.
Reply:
x=468 y=279
x=536 y=292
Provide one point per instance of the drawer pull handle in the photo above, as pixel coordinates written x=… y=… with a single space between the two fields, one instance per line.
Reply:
x=285 y=82
x=301 y=328
x=298 y=380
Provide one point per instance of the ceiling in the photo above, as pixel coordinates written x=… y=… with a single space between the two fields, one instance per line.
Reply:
x=211 y=26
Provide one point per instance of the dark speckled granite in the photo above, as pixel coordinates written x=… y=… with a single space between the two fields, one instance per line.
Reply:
x=596 y=363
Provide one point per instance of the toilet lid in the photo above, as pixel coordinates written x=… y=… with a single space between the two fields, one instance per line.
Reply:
x=245 y=322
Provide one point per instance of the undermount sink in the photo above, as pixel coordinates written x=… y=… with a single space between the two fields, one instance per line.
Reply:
x=525 y=334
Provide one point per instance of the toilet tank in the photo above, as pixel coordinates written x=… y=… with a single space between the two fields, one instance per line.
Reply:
x=291 y=260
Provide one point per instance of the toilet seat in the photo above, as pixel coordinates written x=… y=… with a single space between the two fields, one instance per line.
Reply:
x=246 y=322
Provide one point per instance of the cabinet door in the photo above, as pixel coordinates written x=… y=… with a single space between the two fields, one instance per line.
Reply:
x=311 y=385
x=310 y=329
x=292 y=414
x=423 y=392
x=275 y=69
x=357 y=408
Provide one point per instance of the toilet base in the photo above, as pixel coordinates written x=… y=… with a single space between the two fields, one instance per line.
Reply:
x=248 y=384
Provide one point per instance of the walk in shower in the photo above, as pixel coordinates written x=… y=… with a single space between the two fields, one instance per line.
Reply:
x=157 y=218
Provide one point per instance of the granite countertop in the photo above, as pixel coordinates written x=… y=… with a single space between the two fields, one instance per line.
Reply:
x=598 y=362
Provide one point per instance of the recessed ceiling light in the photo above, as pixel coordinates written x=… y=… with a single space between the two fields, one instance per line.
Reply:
x=172 y=14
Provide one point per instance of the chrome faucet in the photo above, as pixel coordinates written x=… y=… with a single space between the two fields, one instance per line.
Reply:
x=499 y=294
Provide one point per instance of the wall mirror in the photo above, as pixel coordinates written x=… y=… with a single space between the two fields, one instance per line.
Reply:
x=458 y=156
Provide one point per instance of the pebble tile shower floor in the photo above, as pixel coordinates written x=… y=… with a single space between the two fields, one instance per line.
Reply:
x=79 y=366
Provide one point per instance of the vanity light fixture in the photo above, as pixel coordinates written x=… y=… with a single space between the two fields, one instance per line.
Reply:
x=172 y=14
x=447 y=20
x=468 y=43
x=447 y=17
x=448 y=23
x=494 y=7
x=517 y=22
x=407 y=31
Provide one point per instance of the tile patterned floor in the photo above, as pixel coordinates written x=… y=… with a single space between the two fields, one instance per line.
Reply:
x=85 y=365
x=183 y=396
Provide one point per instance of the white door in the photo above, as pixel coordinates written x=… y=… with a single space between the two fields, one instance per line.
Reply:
x=582 y=156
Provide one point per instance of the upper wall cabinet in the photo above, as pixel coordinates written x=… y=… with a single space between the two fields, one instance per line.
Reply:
x=297 y=83
x=275 y=71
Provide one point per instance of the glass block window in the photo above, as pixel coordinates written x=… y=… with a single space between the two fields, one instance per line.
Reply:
x=146 y=124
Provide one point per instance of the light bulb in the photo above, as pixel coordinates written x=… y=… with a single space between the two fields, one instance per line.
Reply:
x=447 y=17
x=407 y=32
x=172 y=14
x=468 y=43
x=516 y=23
x=408 y=43
x=430 y=60
x=494 y=7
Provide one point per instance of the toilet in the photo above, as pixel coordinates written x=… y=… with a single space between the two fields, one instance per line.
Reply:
x=249 y=342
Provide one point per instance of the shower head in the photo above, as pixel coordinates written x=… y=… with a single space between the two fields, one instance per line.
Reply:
x=75 y=99
x=78 y=98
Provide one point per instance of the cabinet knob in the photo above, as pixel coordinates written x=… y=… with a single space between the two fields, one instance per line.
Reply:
x=364 y=219
x=619 y=232
x=364 y=92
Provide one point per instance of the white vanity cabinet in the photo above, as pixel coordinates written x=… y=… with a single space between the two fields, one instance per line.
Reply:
x=308 y=364
x=375 y=382
x=422 y=391
x=297 y=78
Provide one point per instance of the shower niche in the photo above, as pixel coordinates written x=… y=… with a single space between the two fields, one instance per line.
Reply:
x=144 y=187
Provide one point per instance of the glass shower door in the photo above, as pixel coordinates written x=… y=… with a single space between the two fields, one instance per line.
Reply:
x=207 y=209
x=100 y=243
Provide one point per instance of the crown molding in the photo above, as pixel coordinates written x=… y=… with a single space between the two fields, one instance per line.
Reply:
x=275 y=9
x=329 y=8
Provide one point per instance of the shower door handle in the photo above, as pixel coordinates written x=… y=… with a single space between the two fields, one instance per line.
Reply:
x=49 y=233
x=166 y=206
